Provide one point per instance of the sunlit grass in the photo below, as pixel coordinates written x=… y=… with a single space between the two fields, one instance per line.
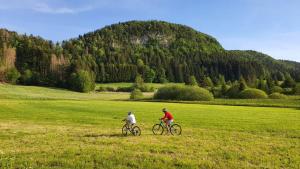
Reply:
x=44 y=93
x=54 y=128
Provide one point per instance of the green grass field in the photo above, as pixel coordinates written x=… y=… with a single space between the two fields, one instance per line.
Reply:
x=291 y=102
x=52 y=128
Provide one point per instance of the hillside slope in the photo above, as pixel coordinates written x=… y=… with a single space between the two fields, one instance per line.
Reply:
x=172 y=51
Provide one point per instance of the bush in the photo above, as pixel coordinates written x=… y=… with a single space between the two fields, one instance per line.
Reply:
x=106 y=89
x=101 y=89
x=82 y=81
x=37 y=79
x=188 y=93
x=125 y=89
x=110 y=89
x=136 y=94
x=146 y=88
x=288 y=91
x=26 y=77
x=217 y=92
x=297 y=89
x=276 y=89
x=139 y=84
x=253 y=94
x=29 y=77
x=233 y=91
x=277 y=96
x=163 y=80
x=12 y=75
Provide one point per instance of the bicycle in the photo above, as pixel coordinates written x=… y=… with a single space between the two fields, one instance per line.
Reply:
x=133 y=129
x=158 y=129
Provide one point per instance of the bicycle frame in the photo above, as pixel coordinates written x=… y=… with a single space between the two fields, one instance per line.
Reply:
x=166 y=128
x=164 y=124
x=129 y=126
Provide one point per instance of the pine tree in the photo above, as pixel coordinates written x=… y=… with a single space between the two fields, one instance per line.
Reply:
x=208 y=82
x=161 y=75
x=101 y=76
x=270 y=83
x=136 y=94
x=221 y=80
x=224 y=89
x=289 y=82
x=139 y=82
x=149 y=75
x=192 y=81
x=242 y=84
x=261 y=84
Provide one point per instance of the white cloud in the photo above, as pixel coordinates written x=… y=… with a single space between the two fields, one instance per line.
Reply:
x=60 y=7
x=43 y=6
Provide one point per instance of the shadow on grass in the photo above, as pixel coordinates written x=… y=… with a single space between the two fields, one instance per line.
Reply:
x=104 y=135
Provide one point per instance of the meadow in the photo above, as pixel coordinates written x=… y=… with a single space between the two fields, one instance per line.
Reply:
x=53 y=128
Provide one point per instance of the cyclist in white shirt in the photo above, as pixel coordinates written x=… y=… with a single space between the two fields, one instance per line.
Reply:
x=130 y=120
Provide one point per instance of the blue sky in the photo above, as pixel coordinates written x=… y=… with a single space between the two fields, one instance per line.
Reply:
x=269 y=26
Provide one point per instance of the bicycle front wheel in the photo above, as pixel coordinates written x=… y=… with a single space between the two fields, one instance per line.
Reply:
x=157 y=129
x=176 y=129
x=136 y=131
x=125 y=130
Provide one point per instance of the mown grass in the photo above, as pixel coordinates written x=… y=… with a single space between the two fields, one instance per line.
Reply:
x=290 y=102
x=44 y=93
x=66 y=133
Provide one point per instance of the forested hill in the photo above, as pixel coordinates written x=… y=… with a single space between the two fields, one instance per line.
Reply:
x=157 y=50
x=144 y=47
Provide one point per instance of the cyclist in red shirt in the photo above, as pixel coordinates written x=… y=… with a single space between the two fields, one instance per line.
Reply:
x=168 y=118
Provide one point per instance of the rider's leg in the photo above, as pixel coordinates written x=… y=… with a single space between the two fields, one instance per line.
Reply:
x=128 y=124
x=169 y=125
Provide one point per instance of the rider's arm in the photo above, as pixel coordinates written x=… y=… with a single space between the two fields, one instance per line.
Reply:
x=164 y=117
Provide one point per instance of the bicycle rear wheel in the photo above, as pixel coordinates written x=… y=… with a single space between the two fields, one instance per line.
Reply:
x=176 y=129
x=157 y=129
x=125 y=130
x=136 y=131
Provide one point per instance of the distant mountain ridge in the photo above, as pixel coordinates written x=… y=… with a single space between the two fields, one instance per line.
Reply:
x=159 y=51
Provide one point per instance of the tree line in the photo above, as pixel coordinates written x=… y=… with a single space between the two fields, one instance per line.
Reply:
x=158 y=51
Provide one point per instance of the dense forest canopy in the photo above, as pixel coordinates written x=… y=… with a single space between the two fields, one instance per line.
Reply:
x=159 y=51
